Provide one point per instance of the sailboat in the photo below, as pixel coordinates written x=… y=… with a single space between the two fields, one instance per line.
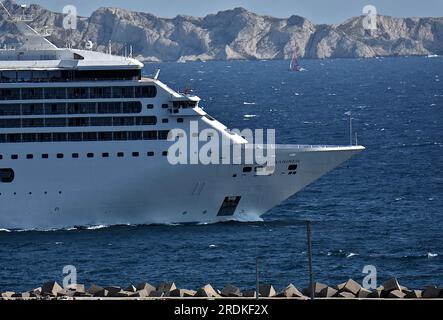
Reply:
x=294 y=65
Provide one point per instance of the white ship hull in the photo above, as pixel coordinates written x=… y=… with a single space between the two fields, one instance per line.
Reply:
x=62 y=193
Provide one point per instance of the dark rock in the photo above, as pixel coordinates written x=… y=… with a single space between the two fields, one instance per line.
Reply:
x=249 y=293
x=391 y=285
x=166 y=286
x=431 y=292
x=207 y=291
x=351 y=286
x=182 y=293
x=363 y=293
x=290 y=292
x=156 y=294
x=327 y=292
x=113 y=289
x=267 y=290
x=377 y=293
x=414 y=294
x=51 y=288
x=345 y=294
x=231 y=291
x=317 y=288
x=396 y=294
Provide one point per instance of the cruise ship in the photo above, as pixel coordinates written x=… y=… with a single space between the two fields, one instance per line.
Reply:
x=84 y=142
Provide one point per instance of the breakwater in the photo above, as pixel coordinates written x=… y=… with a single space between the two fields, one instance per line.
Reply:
x=390 y=289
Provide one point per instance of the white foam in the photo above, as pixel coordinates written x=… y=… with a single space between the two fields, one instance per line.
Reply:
x=100 y=226
x=352 y=255
x=4 y=230
x=248 y=103
x=432 y=255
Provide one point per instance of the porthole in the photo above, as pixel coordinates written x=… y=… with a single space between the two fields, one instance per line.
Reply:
x=90 y=155
x=6 y=175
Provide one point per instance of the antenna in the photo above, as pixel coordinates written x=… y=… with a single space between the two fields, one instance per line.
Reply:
x=130 y=51
x=157 y=73
x=349 y=113
x=110 y=47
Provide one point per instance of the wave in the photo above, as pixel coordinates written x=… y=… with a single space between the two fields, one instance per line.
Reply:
x=4 y=230
x=100 y=226
x=249 y=115
x=248 y=103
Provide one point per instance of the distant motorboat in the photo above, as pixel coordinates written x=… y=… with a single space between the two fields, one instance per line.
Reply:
x=294 y=64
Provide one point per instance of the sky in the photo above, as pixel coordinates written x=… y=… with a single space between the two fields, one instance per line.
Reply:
x=318 y=11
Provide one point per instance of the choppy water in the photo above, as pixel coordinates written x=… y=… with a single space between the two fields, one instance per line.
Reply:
x=383 y=207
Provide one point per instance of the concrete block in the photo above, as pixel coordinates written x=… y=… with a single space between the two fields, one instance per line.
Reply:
x=97 y=291
x=207 y=291
x=131 y=288
x=182 y=293
x=231 y=291
x=113 y=289
x=396 y=294
x=77 y=288
x=37 y=291
x=144 y=286
x=156 y=294
x=431 y=292
x=7 y=295
x=414 y=294
x=340 y=286
x=66 y=293
x=120 y=294
x=363 y=293
x=391 y=285
x=51 y=288
x=327 y=292
x=351 y=286
x=267 y=290
x=166 y=286
x=345 y=294
x=141 y=293
x=317 y=288
x=290 y=292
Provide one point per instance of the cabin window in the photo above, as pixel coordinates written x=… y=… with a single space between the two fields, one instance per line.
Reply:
x=150 y=153
x=247 y=169
x=75 y=155
x=150 y=106
x=6 y=175
x=165 y=120
x=120 y=154
x=292 y=167
x=179 y=120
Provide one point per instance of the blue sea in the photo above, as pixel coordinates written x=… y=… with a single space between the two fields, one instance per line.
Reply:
x=384 y=207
